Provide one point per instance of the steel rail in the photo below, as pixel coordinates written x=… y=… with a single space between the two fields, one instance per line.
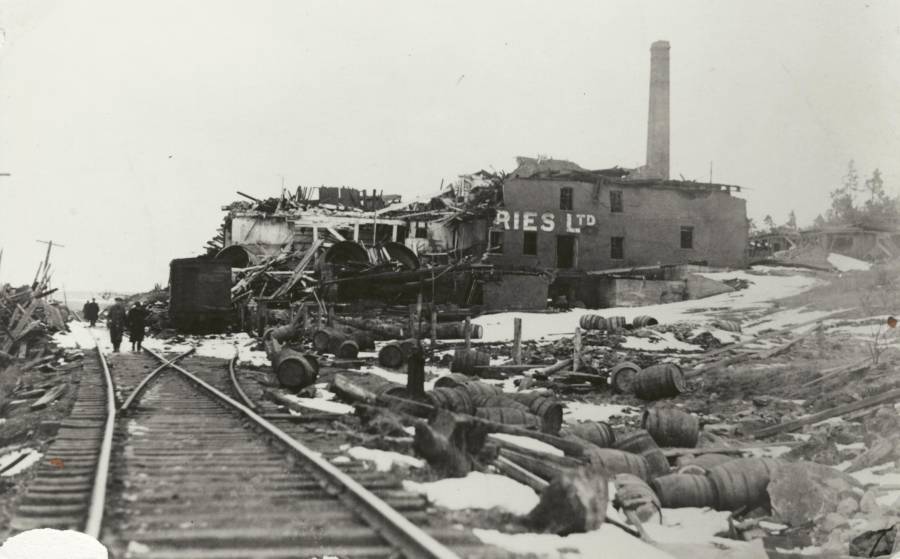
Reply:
x=390 y=524
x=150 y=376
x=98 y=494
x=232 y=366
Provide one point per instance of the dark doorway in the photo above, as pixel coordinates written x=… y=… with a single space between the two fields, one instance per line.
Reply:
x=565 y=251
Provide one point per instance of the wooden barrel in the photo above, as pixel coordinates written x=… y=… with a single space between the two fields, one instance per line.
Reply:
x=618 y=462
x=640 y=442
x=701 y=463
x=452 y=380
x=498 y=401
x=599 y=433
x=634 y=494
x=741 y=482
x=548 y=409
x=363 y=338
x=394 y=354
x=683 y=490
x=510 y=416
x=621 y=377
x=476 y=389
x=465 y=360
x=643 y=321
x=592 y=322
x=659 y=381
x=615 y=323
x=293 y=370
x=283 y=333
x=451 y=399
x=728 y=325
x=348 y=349
x=324 y=338
x=671 y=427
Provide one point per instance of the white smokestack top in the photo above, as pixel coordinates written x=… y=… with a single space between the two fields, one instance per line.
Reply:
x=658 y=118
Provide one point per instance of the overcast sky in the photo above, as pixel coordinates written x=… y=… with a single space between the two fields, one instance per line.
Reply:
x=126 y=125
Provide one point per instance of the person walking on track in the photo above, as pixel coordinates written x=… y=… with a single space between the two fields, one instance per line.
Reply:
x=115 y=321
x=136 y=320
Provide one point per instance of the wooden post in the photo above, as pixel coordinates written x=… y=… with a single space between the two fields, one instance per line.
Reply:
x=330 y=322
x=320 y=318
x=415 y=371
x=394 y=233
x=356 y=231
x=576 y=347
x=517 y=341
x=467 y=332
x=262 y=314
x=433 y=329
x=419 y=312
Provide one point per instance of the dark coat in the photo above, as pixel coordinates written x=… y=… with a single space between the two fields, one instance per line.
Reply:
x=137 y=318
x=94 y=310
x=115 y=321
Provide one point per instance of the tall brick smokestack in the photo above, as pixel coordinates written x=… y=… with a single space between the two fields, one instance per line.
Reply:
x=658 y=119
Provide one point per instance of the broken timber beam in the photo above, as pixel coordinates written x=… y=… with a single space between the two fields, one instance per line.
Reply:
x=796 y=424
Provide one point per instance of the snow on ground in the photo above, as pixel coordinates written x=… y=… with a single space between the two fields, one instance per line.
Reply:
x=27 y=457
x=322 y=402
x=763 y=289
x=384 y=459
x=688 y=525
x=580 y=411
x=788 y=317
x=846 y=263
x=48 y=543
x=529 y=443
x=478 y=491
x=882 y=476
x=608 y=541
x=658 y=341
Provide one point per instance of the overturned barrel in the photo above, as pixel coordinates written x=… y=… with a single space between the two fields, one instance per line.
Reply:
x=664 y=380
x=451 y=399
x=742 y=482
x=592 y=322
x=615 y=323
x=643 y=321
x=283 y=333
x=727 y=325
x=684 y=490
x=394 y=354
x=640 y=442
x=702 y=463
x=498 y=401
x=618 y=462
x=293 y=370
x=549 y=409
x=465 y=361
x=671 y=427
x=599 y=433
x=621 y=377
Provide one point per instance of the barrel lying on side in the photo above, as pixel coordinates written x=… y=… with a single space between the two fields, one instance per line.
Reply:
x=395 y=354
x=742 y=482
x=616 y=323
x=683 y=490
x=643 y=321
x=293 y=370
x=701 y=463
x=599 y=433
x=549 y=409
x=510 y=416
x=640 y=442
x=671 y=427
x=592 y=322
x=664 y=380
x=619 y=462
x=622 y=376
x=465 y=360
x=634 y=494
x=451 y=399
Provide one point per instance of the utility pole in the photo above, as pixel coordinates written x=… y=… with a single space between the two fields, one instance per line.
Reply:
x=45 y=266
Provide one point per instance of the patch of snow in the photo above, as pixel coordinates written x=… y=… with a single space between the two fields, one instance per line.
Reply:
x=478 y=491
x=48 y=543
x=529 y=443
x=689 y=525
x=769 y=451
x=846 y=263
x=384 y=459
x=607 y=541
x=323 y=404
x=580 y=411
x=788 y=317
x=134 y=428
x=27 y=457
x=811 y=550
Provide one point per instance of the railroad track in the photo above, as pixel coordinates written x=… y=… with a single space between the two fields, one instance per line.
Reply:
x=157 y=461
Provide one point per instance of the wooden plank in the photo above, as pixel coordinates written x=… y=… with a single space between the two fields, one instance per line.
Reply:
x=726 y=449
x=50 y=396
x=517 y=341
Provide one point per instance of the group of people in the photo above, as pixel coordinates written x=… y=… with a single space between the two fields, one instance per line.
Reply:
x=118 y=320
